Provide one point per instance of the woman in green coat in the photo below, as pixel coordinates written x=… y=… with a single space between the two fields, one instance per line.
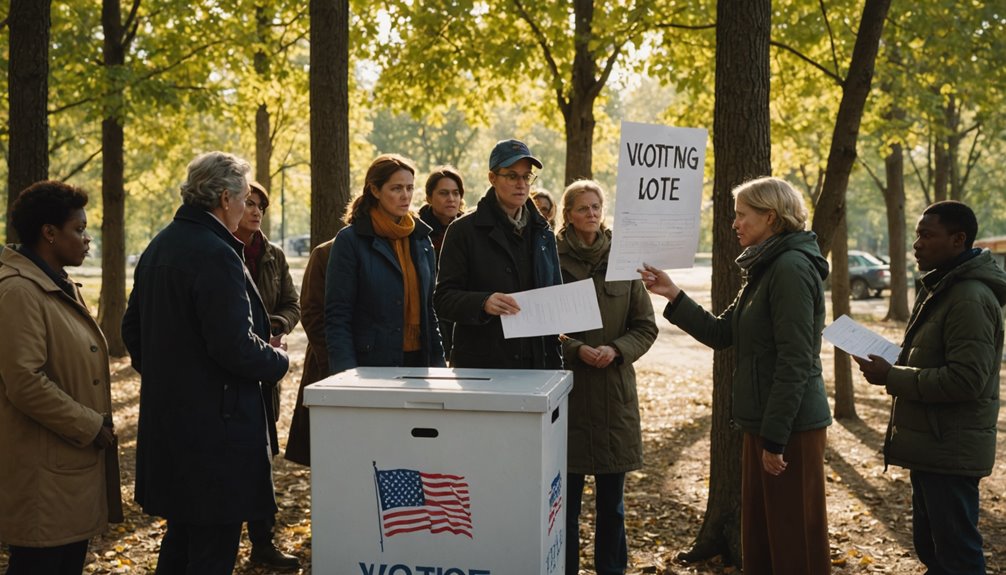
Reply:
x=779 y=402
x=604 y=433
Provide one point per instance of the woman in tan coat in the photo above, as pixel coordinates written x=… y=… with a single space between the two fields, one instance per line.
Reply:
x=604 y=430
x=59 y=480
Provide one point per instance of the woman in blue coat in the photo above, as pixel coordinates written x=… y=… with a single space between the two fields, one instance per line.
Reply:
x=381 y=273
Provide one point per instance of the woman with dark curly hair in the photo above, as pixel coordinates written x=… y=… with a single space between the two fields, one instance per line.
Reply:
x=55 y=394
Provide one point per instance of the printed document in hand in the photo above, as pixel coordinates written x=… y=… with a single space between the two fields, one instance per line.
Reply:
x=553 y=310
x=852 y=338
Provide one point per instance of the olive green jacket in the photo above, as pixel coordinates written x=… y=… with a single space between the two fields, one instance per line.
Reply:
x=946 y=381
x=604 y=429
x=775 y=328
x=276 y=288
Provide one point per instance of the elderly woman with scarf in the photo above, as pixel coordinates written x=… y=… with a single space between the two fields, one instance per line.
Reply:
x=381 y=274
x=779 y=401
x=605 y=439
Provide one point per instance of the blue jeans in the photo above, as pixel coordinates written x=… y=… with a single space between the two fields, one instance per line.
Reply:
x=611 y=554
x=945 y=523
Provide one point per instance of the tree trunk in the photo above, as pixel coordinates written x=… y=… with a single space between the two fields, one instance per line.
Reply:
x=579 y=139
x=894 y=198
x=842 y=155
x=578 y=111
x=845 y=394
x=263 y=137
x=742 y=148
x=28 y=91
x=329 y=86
x=952 y=113
x=263 y=157
x=112 y=303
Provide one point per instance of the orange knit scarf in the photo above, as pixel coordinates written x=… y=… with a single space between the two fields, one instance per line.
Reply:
x=398 y=235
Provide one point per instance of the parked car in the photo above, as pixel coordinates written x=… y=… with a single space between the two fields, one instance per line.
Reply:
x=297 y=245
x=868 y=275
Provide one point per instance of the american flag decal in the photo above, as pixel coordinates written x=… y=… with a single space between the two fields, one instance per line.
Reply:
x=411 y=501
x=554 y=500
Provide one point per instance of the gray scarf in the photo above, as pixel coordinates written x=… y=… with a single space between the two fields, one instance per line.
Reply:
x=520 y=221
x=751 y=254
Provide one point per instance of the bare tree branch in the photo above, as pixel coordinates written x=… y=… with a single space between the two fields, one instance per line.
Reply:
x=831 y=34
x=922 y=181
x=131 y=25
x=284 y=46
x=973 y=154
x=58 y=144
x=552 y=66
x=686 y=26
x=838 y=80
x=140 y=79
x=598 y=84
x=876 y=180
x=80 y=167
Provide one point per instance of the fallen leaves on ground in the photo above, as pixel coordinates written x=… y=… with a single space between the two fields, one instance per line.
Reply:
x=869 y=511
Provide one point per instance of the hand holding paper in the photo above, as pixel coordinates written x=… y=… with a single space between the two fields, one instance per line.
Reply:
x=874 y=371
x=854 y=339
x=553 y=310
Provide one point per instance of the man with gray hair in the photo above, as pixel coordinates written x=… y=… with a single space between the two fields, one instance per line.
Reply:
x=198 y=333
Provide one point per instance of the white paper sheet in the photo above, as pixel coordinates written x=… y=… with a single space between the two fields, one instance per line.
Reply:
x=658 y=199
x=851 y=337
x=553 y=310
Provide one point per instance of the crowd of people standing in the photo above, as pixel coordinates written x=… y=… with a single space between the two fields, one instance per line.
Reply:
x=213 y=300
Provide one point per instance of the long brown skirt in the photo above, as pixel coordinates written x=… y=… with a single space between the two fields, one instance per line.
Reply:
x=784 y=518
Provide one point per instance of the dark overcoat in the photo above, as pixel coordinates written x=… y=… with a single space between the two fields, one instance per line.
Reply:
x=364 y=313
x=197 y=332
x=476 y=262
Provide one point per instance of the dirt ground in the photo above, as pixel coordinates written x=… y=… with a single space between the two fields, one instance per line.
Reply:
x=869 y=511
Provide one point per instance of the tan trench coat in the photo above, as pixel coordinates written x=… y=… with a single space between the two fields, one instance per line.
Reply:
x=56 y=487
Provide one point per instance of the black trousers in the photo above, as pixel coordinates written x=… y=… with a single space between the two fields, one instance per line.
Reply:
x=198 y=549
x=260 y=531
x=61 y=560
x=945 y=523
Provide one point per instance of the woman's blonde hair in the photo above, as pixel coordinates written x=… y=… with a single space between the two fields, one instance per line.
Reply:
x=770 y=194
x=574 y=191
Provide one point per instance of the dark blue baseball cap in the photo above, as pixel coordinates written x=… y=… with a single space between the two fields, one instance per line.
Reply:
x=508 y=152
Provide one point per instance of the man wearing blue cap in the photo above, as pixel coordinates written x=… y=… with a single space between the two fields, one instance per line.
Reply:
x=501 y=247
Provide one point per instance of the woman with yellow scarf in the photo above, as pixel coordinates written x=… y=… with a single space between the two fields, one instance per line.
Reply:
x=380 y=278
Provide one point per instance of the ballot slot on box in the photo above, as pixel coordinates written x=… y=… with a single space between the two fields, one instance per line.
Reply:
x=437 y=471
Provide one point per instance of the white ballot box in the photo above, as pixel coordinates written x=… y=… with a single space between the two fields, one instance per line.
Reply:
x=436 y=471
